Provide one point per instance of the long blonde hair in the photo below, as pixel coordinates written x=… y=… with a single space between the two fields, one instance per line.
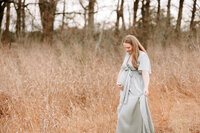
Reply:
x=134 y=42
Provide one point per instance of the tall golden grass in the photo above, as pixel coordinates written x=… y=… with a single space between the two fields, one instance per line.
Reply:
x=68 y=89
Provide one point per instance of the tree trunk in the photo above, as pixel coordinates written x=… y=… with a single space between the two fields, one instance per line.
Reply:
x=18 y=25
x=193 y=16
x=147 y=6
x=47 y=13
x=158 y=12
x=143 y=11
x=135 y=8
x=145 y=21
x=63 y=17
x=6 y=35
x=168 y=23
x=85 y=19
x=120 y=14
x=91 y=14
x=2 y=7
x=23 y=17
x=18 y=11
x=178 y=25
x=118 y=17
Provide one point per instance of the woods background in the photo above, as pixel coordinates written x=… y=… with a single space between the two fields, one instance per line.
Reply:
x=64 y=79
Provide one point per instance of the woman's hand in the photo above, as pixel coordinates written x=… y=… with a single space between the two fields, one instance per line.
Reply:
x=145 y=76
x=120 y=86
x=146 y=92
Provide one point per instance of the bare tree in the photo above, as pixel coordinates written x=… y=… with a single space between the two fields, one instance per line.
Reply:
x=158 y=12
x=167 y=24
x=85 y=12
x=2 y=7
x=168 y=13
x=88 y=13
x=18 y=8
x=178 y=24
x=6 y=35
x=147 y=7
x=145 y=21
x=63 y=18
x=193 y=15
x=145 y=11
x=91 y=14
x=120 y=14
x=23 y=17
x=47 y=13
x=135 y=8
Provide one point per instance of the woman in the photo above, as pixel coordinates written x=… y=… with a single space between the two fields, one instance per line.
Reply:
x=133 y=80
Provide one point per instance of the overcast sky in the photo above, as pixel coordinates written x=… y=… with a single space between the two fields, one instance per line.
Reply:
x=106 y=12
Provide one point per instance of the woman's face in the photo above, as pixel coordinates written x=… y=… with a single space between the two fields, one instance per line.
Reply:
x=128 y=47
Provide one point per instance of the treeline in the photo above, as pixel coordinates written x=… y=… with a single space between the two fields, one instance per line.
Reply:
x=152 y=20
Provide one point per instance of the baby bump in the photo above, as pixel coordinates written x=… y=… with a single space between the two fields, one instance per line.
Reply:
x=122 y=78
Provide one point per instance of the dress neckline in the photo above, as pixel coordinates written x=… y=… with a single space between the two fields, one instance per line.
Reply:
x=129 y=57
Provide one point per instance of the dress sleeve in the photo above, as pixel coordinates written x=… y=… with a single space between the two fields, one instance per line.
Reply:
x=144 y=63
x=124 y=61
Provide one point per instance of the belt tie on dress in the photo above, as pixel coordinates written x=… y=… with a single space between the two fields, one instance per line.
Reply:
x=127 y=83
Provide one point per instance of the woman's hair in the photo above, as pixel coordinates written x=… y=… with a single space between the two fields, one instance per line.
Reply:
x=133 y=41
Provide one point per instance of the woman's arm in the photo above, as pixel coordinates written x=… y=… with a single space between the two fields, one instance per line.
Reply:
x=146 y=79
x=118 y=84
x=121 y=70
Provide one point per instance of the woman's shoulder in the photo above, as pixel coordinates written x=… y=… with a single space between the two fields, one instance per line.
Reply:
x=143 y=55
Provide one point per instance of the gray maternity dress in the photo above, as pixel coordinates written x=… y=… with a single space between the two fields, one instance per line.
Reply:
x=133 y=111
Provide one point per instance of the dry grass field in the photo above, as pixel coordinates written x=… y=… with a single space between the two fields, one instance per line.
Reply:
x=69 y=90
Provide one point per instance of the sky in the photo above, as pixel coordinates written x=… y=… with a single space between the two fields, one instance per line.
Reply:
x=106 y=13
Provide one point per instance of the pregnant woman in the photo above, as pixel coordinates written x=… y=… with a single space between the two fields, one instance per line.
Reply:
x=133 y=80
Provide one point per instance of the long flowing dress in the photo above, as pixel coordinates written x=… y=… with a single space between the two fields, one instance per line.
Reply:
x=133 y=112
